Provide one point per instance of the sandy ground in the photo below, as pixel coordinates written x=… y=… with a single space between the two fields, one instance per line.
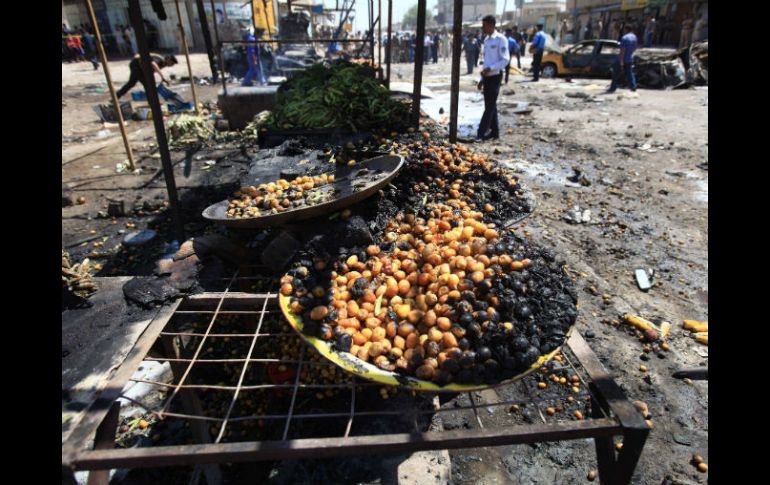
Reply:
x=647 y=208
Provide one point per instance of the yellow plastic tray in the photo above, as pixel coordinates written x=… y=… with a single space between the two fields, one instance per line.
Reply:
x=356 y=366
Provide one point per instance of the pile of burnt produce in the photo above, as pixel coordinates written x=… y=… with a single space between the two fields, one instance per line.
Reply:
x=443 y=292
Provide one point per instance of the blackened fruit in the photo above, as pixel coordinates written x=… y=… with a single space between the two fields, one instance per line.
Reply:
x=482 y=316
x=417 y=360
x=481 y=305
x=465 y=376
x=443 y=377
x=472 y=355
x=523 y=311
x=509 y=363
x=484 y=354
x=463 y=343
x=450 y=365
x=520 y=344
x=466 y=319
x=466 y=361
x=468 y=296
x=473 y=330
x=531 y=355
x=491 y=367
x=344 y=341
x=483 y=287
x=454 y=354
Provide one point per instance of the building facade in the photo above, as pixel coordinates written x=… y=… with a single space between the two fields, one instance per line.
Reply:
x=113 y=14
x=473 y=10
x=676 y=21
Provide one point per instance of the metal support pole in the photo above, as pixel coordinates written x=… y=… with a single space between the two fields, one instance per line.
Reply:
x=390 y=40
x=113 y=94
x=457 y=39
x=135 y=16
x=219 y=49
x=187 y=56
x=371 y=30
x=418 y=60
x=207 y=38
x=379 y=33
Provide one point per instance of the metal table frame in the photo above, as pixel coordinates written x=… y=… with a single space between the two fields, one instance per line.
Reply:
x=612 y=414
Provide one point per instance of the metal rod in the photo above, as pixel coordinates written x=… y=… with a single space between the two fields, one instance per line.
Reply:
x=418 y=61
x=135 y=14
x=457 y=39
x=113 y=94
x=379 y=33
x=371 y=31
x=200 y=346
x=219 y=48
x=187 y=56
x=389 y=53
x=279 y=41
x=207 y=38
x=243 y=374
x=327 y=447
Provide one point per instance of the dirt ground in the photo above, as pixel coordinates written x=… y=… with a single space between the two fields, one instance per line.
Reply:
x=643 y=159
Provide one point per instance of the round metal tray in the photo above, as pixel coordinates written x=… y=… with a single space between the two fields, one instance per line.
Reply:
x=352 y=185
x=369 y=371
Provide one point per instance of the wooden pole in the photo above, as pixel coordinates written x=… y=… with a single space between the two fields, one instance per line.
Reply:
x=187 y=56
x=418 y=62
x=457 y=39
x=135 y=16
x=207 y=39
x=113 y=94
x=379 y=33
x=390 y=39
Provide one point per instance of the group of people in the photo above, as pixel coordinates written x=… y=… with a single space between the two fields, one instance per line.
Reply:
x=437 y=45
x=516 y=42
x=79 y=45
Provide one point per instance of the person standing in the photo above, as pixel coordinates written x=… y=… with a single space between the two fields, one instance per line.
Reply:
x=412 y=48
x=536 y=48
x=120 y=40
x=686 y=36
x=563 y=32
x=445 y=45
x=469 y=45
x=522 y=44
x=625 y=60
x=496 y=57
x=426 y=49
x=649 y=32
x=436 y=45
x=89 y=39
x=254 y=58
x=513 y=50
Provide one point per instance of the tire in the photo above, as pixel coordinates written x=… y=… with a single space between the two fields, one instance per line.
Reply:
x=548 y=70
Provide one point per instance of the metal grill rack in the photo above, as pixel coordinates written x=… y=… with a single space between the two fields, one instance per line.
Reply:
x=262 y=403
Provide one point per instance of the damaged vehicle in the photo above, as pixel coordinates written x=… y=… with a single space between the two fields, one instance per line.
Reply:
x=654 y=68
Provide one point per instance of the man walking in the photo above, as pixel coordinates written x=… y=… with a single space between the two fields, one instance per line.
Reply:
x=254 y=58
x=536 y=48
x=136 y=75
x=471 y=47
x=496 y=57
x=522 y=45
x=649 y=32
x=513 y=49
x=625 y=61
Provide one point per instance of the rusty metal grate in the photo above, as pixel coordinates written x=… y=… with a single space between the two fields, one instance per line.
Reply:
x=233 y=431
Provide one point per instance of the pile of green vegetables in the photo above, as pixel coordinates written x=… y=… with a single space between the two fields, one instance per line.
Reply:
x=340 y=95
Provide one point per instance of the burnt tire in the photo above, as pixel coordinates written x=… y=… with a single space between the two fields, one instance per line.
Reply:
x=548 y=70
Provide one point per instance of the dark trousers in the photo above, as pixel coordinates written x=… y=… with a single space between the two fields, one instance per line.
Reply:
x=135 y=77
x=628 y=70
x=518 y=58
x=491 y=86
x=469 y=59
x=537 y=58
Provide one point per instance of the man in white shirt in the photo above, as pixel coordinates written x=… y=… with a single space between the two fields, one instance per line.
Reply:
x=427 y=48
x=496 y=57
